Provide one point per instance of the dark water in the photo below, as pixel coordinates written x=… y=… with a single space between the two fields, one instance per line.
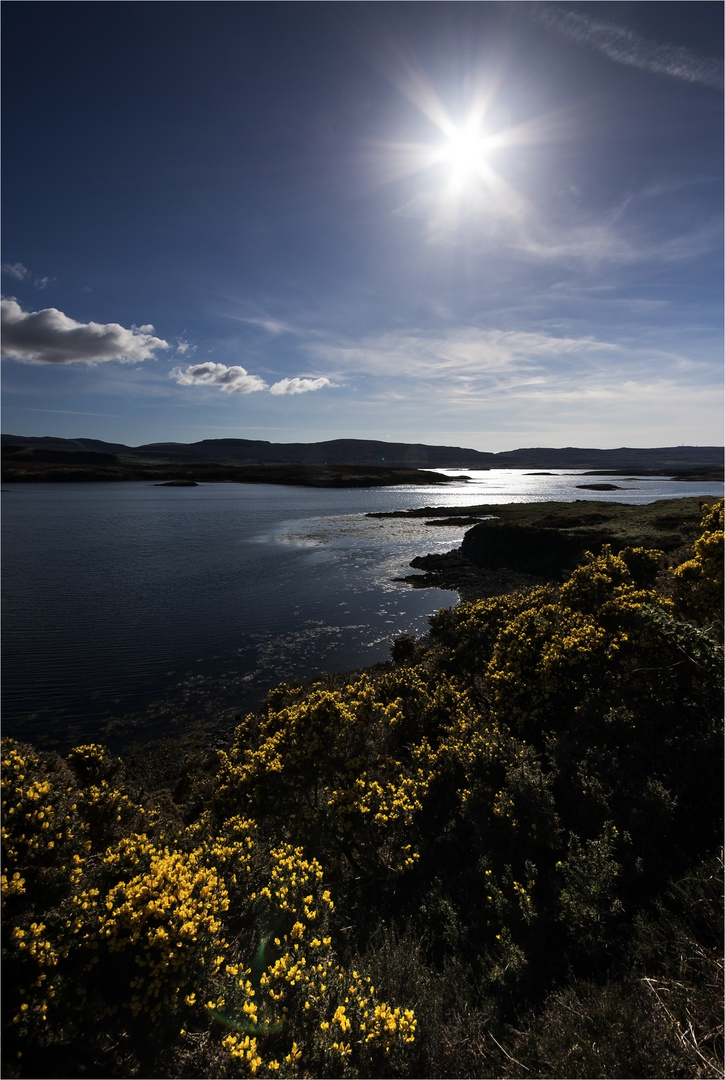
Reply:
x=128 y=609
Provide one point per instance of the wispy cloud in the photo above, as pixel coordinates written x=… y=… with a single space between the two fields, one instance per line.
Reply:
x=51 y=337
x=622 y=234
x=64 y=412
x=22 y=273
x=488 y=376
x=460 y=353
x=648 y=410
x=626 y=46
x=609 y=242
x=272 y=326
x=644 y=405
x=16 y=270
x=183 y=346
x=230 y=307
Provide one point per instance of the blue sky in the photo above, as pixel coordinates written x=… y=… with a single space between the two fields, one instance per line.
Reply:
x=491 y=225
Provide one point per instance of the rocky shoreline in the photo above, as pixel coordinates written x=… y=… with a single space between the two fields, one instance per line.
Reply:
x=516 y=545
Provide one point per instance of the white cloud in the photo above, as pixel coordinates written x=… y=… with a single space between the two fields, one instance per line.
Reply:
x=42 y=282
x=237 y=380
x=231 y=380
x=183 y=346
x=298 y=386
x=16 y=270
x=625 y=46
x=50 y=337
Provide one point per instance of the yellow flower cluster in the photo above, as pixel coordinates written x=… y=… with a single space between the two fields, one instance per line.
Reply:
x=294 y=988
x=140 y=922
x=544 y=658
x=386 y=1021
x=228 y=849
x=539 y=656
x=32 y=822
x=93 y=761
x=244 y=1049
x=35 y=947
x=699 y=581
x=170 y=917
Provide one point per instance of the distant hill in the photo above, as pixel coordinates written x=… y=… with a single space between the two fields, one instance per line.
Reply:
x=371 y=452
x=637 y=459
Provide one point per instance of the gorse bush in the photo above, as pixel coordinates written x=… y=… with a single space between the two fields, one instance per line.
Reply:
x=699 y=580
x=162 y=937
x=462 y=864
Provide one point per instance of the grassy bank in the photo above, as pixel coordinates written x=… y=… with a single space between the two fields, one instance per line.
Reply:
x=496 y=856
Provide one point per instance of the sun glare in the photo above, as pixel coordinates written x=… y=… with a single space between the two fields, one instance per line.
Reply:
x=464 y=153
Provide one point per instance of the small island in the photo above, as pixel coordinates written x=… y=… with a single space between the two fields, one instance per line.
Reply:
x=177 y=483
x=600 y=487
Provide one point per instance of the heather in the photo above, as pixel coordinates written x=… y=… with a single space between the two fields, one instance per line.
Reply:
x=497 y=855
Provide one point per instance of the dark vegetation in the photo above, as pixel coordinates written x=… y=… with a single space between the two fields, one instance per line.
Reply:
x=30 y=465
x=498 y=855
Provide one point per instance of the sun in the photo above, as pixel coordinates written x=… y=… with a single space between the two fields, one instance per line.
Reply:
x=464 y=153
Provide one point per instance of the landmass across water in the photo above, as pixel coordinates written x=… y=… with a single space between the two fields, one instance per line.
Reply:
x=335 y=463
x=59 y=467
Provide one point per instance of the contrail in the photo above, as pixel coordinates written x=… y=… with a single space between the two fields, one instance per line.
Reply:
x=628 y=47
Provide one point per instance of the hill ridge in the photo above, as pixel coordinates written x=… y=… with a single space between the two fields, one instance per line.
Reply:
x=234 y=451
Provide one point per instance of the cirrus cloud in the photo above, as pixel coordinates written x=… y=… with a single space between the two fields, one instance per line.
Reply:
x=51 y=337
x=626 y=46
x=458 y=352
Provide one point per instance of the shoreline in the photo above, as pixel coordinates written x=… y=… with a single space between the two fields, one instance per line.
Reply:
x=511 y=546
x=205 y=711
x=208 y=708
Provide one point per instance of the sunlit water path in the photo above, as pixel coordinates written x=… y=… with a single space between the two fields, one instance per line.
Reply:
x=116 y=596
